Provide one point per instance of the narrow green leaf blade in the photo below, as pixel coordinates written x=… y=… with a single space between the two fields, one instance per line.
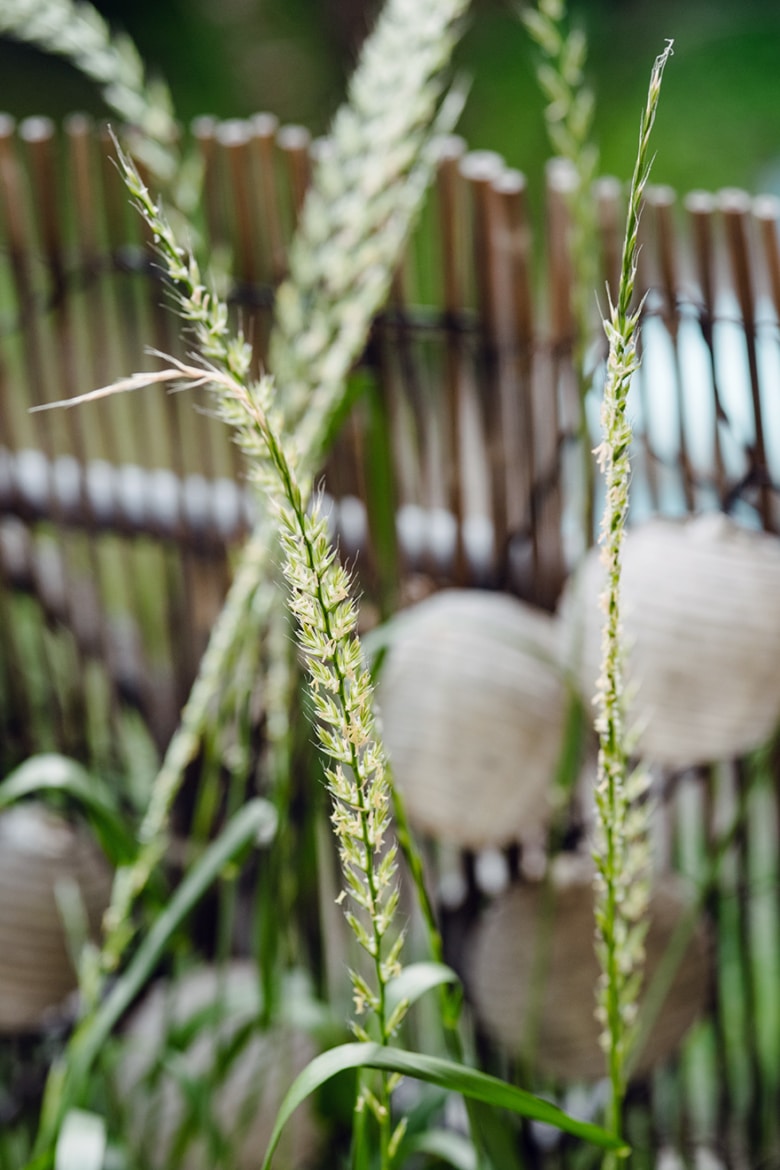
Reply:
x=50 y=772
x=255 y=821
x=436 y=1071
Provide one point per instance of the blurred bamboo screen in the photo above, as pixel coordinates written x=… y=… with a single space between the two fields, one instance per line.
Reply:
x=118 y=520
x=470 y=366
x=470 y=369
x=468 y=372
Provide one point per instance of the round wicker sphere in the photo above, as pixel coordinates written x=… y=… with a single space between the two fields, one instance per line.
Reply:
x=701 y=615
x=191 y=1023
x=42 y=854
x=521 y=991
x=472 y=710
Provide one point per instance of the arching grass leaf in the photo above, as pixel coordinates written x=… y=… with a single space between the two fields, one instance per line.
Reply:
x=448 y=1075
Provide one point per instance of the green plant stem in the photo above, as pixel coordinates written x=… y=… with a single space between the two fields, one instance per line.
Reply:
x=294 y=498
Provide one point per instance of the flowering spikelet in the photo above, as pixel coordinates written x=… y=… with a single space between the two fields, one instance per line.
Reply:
x=320 y=600
x=342 y=697
x=569 y=111
x=367 y=185
x=621 y=847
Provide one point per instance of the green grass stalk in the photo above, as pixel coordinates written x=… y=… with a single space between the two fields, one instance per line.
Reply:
x=569 y=121
x=621 y=855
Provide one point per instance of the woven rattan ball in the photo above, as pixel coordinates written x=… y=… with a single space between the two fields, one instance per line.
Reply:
x=472 y=711
x=538 y=986
x=701 y=614
x=197 y=1024
x=42 y=858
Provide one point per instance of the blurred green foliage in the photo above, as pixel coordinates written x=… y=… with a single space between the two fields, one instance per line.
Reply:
x=720 y=125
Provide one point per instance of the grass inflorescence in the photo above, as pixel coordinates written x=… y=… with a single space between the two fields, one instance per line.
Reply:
x=621 y=851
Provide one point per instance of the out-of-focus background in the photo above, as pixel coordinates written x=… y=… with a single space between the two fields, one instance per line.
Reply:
x=720 y=123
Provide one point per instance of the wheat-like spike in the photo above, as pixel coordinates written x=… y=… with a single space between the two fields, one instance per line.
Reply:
x=368 y=184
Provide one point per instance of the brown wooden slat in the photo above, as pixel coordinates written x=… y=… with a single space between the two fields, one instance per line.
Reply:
x=294 y=143
x=766 y=209
x=660 y=204
x=480 y=169
x=610 y=219
x=735 y=208
x=700 y=207
x=449 y=194
x=518 y=348
x=204 y=132
x=264 y=130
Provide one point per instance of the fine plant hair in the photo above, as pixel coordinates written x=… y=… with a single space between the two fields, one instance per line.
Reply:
x=621 y=849
x=569 y=120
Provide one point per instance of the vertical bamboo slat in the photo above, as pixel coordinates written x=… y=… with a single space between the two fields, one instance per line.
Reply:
x=518 y=348
x=610 y=215
x=766 y=210
x=448 y=192
x=480 y=169
x=204 y=134
x=661 y=203
x=700 y=207
x=264 y=130
x=294 y=142
x=735 y=207
x=556 y=404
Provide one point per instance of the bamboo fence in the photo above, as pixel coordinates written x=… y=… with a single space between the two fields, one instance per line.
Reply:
x=119 y=522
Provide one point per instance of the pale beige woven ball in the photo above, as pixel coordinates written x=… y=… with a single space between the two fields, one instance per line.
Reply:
x=41 y=852
x=472 y=708
x=701 y=618
x=532 y=975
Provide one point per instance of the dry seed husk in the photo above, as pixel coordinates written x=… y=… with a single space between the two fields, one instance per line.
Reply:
x=701 y=616
x=532 y=974
x=39 y=850
x=191 y=1023
x=472 y=709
